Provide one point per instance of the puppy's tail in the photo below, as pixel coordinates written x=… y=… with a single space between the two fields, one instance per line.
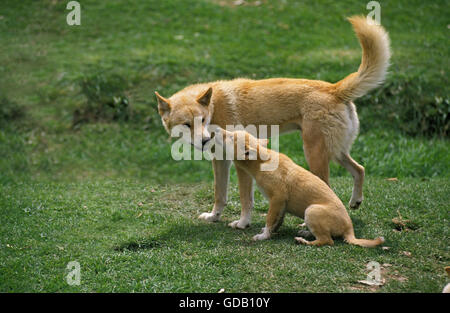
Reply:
x=350 y=238
x=376 y=53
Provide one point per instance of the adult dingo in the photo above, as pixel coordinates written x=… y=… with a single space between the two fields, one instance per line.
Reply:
x=322 y=111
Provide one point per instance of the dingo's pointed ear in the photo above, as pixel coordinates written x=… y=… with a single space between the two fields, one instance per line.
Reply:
x=263 y=142
x=205 y=98
x=163 y=104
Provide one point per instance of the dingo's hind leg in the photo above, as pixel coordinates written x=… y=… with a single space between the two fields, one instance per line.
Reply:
x=357 y=171
x=316 y=151
x=316 y=219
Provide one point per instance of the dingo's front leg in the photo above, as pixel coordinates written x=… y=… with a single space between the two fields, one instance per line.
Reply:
x=221 y=176
x=274 y=218
x=316 y=151
x=246 y=195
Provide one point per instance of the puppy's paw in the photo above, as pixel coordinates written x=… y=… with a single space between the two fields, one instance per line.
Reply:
x=240 y=224
x=209 y=217
x=301 y=240
x=260 y=237
x=263 y=236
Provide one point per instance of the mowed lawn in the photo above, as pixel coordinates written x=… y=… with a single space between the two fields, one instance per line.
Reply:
x=108 y=195
x=139 y=237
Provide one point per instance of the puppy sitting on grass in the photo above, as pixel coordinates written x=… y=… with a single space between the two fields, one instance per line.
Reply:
x=290 y=188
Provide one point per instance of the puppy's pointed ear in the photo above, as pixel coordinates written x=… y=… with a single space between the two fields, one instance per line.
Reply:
x=263 y=142
x=163 y=104
x=205 y=98
x=250 y=154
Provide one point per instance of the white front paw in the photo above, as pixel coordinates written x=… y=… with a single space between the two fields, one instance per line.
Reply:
x=241 y=224
x=263 y=236
x=209 y=217
x=260 y=237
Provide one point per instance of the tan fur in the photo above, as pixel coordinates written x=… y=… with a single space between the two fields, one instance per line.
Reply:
x=447 y=287
x=323 y=111
x=292 y=189
x=374 y=63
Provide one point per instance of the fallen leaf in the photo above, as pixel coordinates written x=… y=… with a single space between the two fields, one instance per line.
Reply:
x=401 y=279
x=392 y=179
x=385 y=248
x=222 y=290
x=283 y=25
x=139 y=215
x=140 y=204
x=407 y=253
x=402 y=224
x=372 y=283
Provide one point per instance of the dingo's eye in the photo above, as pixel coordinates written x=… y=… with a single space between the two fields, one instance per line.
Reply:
x=187 y=124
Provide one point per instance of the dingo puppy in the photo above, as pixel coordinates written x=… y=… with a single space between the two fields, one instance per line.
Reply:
x=290 y=188
x=324 y=112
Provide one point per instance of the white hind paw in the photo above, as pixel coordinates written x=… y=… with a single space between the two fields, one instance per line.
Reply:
x=301 y=240
x=355 y=203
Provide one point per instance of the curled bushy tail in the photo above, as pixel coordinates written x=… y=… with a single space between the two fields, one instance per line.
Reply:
x=368 y=243
x=375 y=43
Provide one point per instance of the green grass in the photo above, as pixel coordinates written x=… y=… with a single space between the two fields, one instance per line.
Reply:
x=109 y=195
x=166 y=45
x=130 y=236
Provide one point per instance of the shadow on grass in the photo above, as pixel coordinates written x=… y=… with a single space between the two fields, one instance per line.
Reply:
x=357 y=223
x=135 y=245
x=210 y=235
